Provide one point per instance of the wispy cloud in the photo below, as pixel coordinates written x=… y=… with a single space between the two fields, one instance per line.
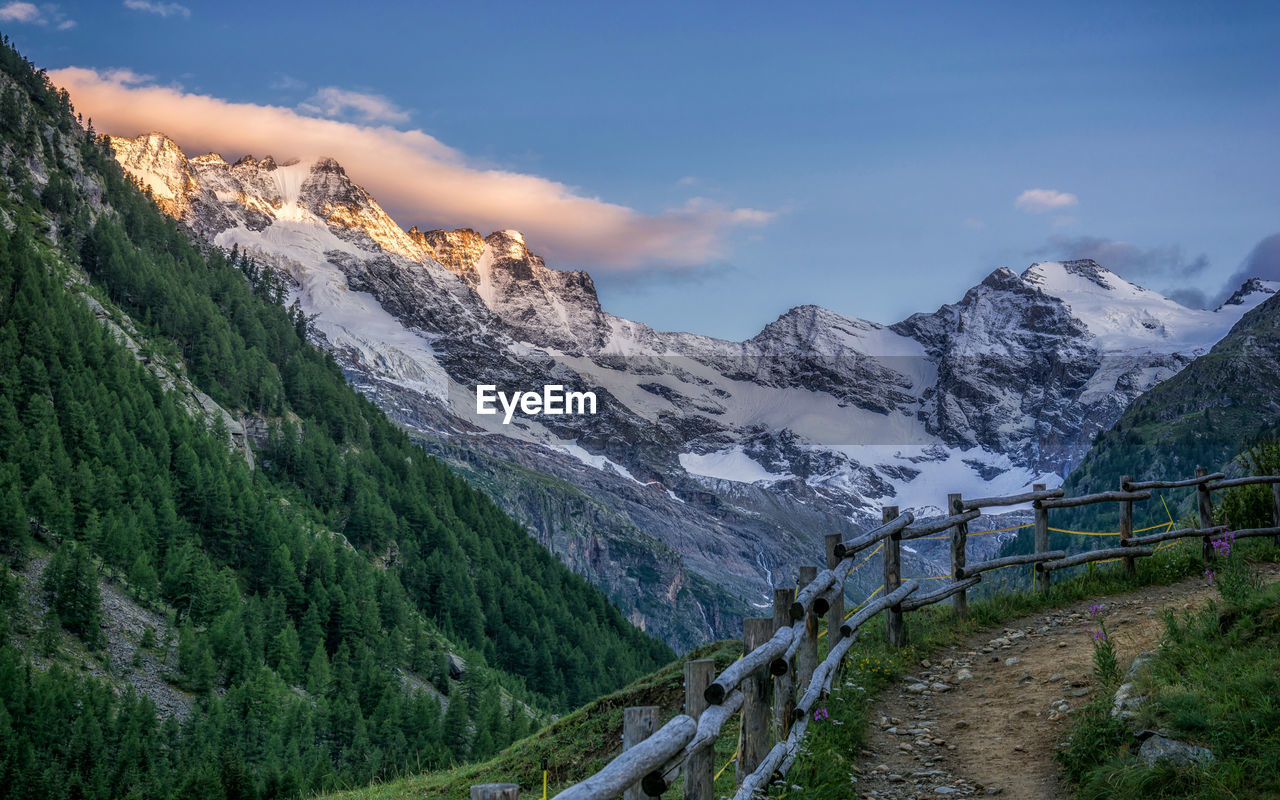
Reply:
x=162 y=9
x=1038 y=201
x=287 y=83
x=419 y=179
x=334 y=103
x=973 y=223
x=1129 y=260
x=20 y=12
x=33 y=14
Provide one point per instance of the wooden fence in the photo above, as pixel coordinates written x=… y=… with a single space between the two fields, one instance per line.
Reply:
x=780 y=653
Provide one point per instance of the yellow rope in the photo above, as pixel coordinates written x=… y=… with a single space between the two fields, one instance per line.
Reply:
x=861 y=605
x=732 y=759
x=1084 y=533
x=1166 y=508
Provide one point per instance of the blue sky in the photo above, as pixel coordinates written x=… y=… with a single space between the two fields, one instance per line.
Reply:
x=865 y=157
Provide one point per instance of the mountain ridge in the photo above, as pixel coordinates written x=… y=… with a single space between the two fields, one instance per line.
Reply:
x=746 y=452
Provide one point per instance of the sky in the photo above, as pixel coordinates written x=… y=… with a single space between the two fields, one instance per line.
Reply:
x=713 y=165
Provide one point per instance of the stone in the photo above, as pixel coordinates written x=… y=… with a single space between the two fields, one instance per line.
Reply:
x=963 y=674
x=1159 y=748
x=1011 y=660
x=1139 y=662
x=1125 y=704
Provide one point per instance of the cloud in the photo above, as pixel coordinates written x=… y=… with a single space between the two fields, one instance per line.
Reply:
x=36 y=15
x=1038 y=201
x=287 y=83
x=1262 y=262
x=1190 y=297
x=21 y=12
x=1131 y=261
x=419 y=179
x=163 y=9
x=335 y=103
x=974 y=223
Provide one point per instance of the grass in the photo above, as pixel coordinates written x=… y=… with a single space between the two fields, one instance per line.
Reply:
x=1214 y=682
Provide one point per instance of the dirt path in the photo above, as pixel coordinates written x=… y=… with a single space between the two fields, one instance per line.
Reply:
x=985 y=717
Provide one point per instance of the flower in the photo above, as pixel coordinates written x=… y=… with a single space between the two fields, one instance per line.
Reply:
x=1096 y=610
x=1209 y=572
x=1100 y=636
x=819 y=713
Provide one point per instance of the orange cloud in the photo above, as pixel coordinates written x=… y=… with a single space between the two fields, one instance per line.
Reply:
x=417 y=178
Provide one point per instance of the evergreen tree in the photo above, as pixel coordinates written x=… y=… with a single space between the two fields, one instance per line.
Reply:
x=454 y=729
x=15 y=529
x=71 y=584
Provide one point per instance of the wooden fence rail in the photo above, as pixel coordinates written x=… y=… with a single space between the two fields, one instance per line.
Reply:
x=785 y=646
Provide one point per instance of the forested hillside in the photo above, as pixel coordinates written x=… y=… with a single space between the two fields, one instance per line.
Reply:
x=309 y=594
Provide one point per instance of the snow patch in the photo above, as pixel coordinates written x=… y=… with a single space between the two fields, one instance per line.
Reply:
x=729 y=465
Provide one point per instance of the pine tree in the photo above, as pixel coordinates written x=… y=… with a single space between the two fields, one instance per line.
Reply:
x=15 y=529
x=49 y=636
x=453 y=729
x=71 y=583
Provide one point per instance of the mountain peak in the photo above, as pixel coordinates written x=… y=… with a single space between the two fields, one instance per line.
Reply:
x=1001 y=278
x=1249 y=292
x=508 y=244
x=1045 y=272
x=458 y=250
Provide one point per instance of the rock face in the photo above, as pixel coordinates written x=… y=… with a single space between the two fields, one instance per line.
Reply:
x=712 y=467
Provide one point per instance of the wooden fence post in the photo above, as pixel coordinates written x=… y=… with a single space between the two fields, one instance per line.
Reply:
x=698 y=768
x=1042 y=538
x=807 y=654
x=1275 y=501
x=896 y=630
x=753 y=742
x=1126 y=525
x=959 y=539
x=784 y=685
x=495 y=791
x=1205 y=502
x=835 y=614
x=638 y=724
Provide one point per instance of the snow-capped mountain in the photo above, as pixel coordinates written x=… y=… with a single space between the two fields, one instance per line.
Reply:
x=711 y=466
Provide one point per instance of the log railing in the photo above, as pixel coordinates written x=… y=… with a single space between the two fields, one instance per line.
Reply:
x=784 y=645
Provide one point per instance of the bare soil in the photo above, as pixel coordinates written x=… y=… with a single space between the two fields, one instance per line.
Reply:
x=985 y=717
